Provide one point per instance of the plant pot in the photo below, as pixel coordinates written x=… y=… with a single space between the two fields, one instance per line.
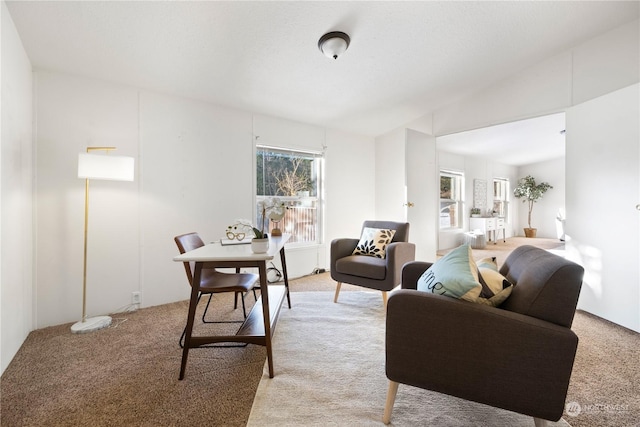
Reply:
x=530 y=232
x=259 y=246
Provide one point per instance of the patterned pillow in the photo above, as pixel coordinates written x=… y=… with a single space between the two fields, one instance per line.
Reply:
x=495 y=287
x=454 y=275
x=374 y=241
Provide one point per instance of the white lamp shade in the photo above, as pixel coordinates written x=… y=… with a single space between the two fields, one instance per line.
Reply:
x=334 y=47
x=105 y=166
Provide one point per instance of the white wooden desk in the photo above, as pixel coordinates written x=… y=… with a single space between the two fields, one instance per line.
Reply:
x=259 y=325
x=489 y=226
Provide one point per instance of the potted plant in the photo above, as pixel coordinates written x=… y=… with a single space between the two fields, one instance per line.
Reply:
x=528 y=190
x=475 y=212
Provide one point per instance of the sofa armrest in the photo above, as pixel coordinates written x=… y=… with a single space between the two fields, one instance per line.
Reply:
x=479 y=353
x=412 y=271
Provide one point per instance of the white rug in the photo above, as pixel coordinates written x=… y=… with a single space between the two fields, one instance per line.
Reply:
x=329 y=371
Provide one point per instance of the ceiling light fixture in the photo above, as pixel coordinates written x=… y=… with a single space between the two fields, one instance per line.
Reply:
x=334 y=44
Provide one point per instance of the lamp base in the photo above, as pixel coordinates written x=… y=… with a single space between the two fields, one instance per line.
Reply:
x=91 y=324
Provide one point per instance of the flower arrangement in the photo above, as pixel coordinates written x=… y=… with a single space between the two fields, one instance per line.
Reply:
x=270 y=208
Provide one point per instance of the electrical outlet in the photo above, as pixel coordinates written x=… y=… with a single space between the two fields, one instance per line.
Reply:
x=135 y=298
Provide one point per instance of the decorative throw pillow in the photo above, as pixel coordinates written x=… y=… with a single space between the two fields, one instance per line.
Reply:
x=495 y=287
x=454 y=275
x=374 y=241
x=489 y=262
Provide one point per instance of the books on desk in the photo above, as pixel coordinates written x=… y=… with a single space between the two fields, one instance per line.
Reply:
x=225 y=242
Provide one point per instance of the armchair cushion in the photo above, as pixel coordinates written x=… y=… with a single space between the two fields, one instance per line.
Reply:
x=454 y=275
x=362 y=266
x=374 y=241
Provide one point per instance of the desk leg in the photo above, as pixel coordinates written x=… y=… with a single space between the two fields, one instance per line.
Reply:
x=264 y=294
x=193 y=303
x=283 y=261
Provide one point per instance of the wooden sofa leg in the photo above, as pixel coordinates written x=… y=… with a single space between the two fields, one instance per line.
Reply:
x=335 y=298
x=391 y=398
x=539 y=422
x=385 y=296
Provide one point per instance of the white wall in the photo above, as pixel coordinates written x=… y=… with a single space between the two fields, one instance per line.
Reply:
x=349 y=185
x=601 y=65
x=603 y=189
x=16 y=276
x=390 y=178
x=194 y=172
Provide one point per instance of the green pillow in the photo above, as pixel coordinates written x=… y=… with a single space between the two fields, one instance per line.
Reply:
x=374 y=241
x=454 y=275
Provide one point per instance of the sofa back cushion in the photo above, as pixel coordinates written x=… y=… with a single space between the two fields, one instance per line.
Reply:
x=547 y=286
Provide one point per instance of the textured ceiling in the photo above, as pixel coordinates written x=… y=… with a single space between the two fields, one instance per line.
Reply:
x=405 y=58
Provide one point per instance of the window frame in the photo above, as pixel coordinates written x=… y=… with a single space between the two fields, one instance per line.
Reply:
x=458 y=202
x=316 y=200
x=501 y=201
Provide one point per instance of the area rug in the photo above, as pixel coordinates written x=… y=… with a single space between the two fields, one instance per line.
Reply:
x=329 y=371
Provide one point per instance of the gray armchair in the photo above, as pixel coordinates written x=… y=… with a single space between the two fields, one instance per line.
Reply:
x=518 y=356
x=370 y=272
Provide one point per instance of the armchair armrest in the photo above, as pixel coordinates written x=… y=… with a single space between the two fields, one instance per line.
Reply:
x=341 y=248
x=412 y=271
x=398 y=254
x=479 y=353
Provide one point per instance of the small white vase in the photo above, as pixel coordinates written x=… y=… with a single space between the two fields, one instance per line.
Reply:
x=259 y=246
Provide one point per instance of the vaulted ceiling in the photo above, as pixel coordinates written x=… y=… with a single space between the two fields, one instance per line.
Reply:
x=405 y=60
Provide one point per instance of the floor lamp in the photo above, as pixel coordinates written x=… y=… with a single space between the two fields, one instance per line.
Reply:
x=104 y=167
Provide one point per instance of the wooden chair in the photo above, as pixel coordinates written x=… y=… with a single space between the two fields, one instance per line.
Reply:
x=213 y=281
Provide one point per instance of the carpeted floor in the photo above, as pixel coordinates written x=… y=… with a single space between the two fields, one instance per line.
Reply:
x=330 y=370
x=127 y=375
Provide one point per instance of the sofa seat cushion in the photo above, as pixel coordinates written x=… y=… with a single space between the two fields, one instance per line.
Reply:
x=362 y=266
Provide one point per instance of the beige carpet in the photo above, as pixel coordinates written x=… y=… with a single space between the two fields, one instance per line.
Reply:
x=127 y=375
x=329 y=370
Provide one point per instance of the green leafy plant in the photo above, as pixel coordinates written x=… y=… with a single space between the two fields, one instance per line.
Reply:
x=528 y=190
x=475 y=211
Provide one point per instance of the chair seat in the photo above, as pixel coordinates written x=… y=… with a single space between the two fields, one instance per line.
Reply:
x=363 y=266
x=213 y=281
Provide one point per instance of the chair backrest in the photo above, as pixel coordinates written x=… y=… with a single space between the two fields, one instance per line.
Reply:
x=547 y=286
x=402 y=229
x=187 y=242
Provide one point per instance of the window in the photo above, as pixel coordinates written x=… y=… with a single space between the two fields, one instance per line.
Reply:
x=451 y=198
x=501 y=196
x=295 y=177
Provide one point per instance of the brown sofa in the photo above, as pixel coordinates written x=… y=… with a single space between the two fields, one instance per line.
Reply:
x=518 y=356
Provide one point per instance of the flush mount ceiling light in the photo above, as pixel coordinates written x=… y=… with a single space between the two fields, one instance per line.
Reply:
x=334 y=44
